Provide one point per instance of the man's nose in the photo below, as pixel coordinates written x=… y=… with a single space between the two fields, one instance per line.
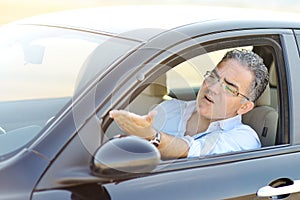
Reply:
x=214 y=87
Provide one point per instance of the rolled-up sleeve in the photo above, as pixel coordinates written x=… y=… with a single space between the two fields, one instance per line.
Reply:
x=168 y=118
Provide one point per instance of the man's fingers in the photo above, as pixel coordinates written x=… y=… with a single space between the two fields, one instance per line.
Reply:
x=111 y=114
x=141 y=121
x=117 y=113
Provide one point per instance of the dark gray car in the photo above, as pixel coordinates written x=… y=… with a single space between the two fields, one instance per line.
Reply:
x=62 y=73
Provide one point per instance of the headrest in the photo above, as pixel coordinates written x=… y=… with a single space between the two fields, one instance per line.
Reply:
x=157 y=88
x=264 y=99
x=273 y=80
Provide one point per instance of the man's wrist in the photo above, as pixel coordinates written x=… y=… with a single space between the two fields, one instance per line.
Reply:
x=156 y=140
x=152 y=135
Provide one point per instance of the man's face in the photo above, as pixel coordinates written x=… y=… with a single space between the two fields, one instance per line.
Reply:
x=213 y=101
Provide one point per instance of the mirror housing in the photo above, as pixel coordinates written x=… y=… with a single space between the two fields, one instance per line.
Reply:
x=124 y=156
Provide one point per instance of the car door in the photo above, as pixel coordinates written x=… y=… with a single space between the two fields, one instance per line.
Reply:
x=238 y=175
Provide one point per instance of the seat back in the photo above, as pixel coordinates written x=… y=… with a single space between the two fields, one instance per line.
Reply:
x=150 y=97
x=142 y=104
x=263 y=119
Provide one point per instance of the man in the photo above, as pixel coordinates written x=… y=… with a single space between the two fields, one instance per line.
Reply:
x=211 y=124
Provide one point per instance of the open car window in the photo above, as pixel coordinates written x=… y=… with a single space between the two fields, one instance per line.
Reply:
x=183 y=80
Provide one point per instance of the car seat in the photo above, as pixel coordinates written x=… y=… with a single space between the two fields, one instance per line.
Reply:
x=273 y=86
x=263 y=119
x=150 y=97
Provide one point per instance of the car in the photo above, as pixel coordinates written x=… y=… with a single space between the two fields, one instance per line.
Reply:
x=61 y=74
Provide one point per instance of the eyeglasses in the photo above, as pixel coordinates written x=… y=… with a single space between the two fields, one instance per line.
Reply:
x=212 y=77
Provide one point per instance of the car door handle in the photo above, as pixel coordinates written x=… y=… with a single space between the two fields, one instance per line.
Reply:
x=276 y=190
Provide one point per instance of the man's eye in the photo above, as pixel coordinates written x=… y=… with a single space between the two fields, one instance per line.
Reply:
x=231 y=90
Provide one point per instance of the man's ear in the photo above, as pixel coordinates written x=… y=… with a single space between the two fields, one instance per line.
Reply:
x=245 y=107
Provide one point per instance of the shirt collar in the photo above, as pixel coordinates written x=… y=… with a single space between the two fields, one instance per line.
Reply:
x=225 y=124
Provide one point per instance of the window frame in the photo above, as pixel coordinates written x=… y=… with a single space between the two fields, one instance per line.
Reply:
x=230 y=39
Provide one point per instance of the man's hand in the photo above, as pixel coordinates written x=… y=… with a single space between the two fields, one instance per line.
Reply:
x=134 y=124
x=170 y=147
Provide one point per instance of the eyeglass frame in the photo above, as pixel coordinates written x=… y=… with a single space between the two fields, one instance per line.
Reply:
x=224 y=85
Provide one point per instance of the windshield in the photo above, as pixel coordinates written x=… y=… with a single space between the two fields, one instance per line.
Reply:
x=41 y=68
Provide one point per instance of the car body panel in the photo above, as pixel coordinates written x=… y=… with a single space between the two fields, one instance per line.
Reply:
x=20 y=174
x=293 y=67
x=208 y=182
x=120 y=18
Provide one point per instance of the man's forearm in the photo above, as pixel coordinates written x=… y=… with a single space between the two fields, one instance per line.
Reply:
x=173 y=147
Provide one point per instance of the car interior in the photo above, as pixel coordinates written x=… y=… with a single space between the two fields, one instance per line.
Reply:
x=19 y=127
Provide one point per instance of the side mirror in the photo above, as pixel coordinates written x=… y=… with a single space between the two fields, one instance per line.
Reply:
x=123 y=157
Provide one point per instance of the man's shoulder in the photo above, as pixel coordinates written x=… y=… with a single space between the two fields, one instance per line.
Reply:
x=178 y=103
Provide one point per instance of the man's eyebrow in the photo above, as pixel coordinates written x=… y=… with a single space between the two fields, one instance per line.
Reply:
x=230 y=83
x=216 y=73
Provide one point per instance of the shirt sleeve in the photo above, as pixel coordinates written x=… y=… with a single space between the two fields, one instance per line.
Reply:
x=168 y=118
x=242 y=138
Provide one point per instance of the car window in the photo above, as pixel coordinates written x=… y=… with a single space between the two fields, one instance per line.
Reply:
x=183 y=80
x=41 y=69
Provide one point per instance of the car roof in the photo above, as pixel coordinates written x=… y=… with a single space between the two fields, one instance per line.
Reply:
x=121 y=19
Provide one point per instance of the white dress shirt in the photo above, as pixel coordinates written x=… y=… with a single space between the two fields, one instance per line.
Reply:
x=222 y=136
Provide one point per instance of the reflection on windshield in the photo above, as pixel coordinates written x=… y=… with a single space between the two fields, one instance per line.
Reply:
x=45 y=66
x=40 y=69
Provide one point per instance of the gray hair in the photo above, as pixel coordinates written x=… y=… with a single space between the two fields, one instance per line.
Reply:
x=255 y=64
